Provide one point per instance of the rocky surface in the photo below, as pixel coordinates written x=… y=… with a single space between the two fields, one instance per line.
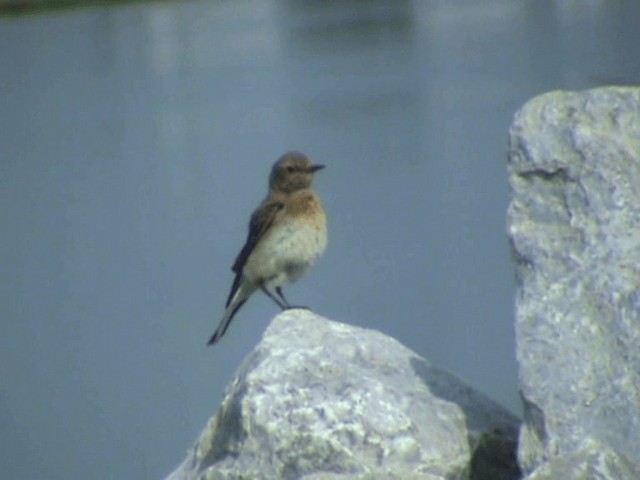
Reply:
x=574 y=222
x=319 y=400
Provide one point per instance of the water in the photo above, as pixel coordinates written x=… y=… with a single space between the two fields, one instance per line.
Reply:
x=136 y=140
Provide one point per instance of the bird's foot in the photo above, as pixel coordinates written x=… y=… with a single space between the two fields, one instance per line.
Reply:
x=296 y=307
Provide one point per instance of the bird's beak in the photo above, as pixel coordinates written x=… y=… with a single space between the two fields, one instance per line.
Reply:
x=315 y=168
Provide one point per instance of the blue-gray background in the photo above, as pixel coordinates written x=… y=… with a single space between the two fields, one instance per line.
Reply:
x=136 y=140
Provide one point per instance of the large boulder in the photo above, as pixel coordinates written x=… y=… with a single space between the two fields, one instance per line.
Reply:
x=319 y=400
x=574 y=222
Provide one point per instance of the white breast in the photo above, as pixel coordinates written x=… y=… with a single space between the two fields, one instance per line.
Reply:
x=286 y=253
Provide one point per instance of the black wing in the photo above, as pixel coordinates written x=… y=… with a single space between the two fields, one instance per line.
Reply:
x=260 y=222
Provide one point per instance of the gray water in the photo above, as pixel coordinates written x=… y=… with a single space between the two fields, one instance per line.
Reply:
x=135 y=141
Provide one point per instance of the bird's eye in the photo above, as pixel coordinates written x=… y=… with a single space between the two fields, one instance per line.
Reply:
x=290 y=169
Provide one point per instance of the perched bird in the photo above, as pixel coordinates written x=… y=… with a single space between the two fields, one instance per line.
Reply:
x=287 y=233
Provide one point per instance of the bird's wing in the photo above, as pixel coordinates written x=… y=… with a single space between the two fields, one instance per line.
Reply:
x=261 y=221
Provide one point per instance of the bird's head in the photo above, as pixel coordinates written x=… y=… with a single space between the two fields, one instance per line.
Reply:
x=293 y=171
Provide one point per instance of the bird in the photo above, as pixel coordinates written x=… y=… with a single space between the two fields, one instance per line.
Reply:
x=287 y=234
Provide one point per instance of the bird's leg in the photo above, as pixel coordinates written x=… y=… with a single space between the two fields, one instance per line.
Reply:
x=281 y=295
x=287 y=304
x=283 y=306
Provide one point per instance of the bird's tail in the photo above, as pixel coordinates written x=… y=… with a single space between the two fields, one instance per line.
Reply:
x=234 y=305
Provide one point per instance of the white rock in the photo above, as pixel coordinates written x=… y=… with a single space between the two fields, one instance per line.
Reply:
x=318 y=400
x=574 y=222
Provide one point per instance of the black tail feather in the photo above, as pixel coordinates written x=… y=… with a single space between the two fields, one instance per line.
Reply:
x=224 y=323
